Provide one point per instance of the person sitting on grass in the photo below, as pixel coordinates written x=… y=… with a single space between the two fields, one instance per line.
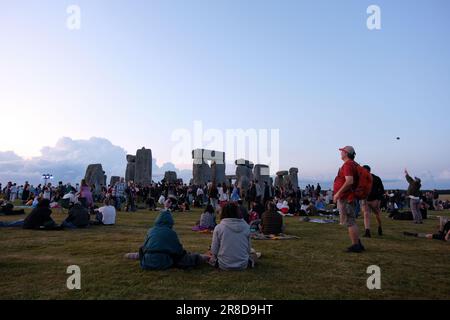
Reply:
x=39 y=218
x=443 y=231
x=272 y=221
x=106 y=215
x=231 y=246
x=78 y=217
x=207 y=219
x=162 y=249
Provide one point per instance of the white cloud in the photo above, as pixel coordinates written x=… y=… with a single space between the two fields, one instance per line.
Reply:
x=68 y=159
x=445 y=175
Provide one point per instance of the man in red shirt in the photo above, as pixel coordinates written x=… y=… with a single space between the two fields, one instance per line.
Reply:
x=344 y=185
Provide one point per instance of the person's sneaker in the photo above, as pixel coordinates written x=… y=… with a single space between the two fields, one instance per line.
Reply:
x=356 y=248
x=367 y=234
x=131 y=256
x=380 y=231
x=409 y=234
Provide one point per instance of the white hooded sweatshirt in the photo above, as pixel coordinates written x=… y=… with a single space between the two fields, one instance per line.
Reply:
x=231 y=244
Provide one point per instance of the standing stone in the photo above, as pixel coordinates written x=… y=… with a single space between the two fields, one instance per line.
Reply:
x=170 y=177
x=293 y=178
x=131 y=168
x=261 y=173
x=280 y=180
x=143 y=171
x=114 y=180
x=95 y=176
x=218 y=173
x=244 y=174
x=201 y=173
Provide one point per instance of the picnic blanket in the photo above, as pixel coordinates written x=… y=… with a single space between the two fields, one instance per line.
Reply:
x=260 y=236
x=199 y=229
x=321 y=221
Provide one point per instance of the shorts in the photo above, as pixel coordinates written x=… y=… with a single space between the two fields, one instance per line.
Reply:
x=347 y=212
x=370 y=206
x=439 y=236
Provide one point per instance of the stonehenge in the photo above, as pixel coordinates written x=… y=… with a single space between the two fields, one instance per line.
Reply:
x=170 y=177
x=261 y=173
x=131 y=168
x=203 y=172
x=139 y=167
x=114 y=180
x=287 y=179
x=244 y=173
x=143 y=170
x=95 y=176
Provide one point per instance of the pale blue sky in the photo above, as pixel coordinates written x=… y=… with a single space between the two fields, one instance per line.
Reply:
x=138 y=70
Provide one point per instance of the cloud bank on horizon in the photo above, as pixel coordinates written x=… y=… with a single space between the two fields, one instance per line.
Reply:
x=68 y=159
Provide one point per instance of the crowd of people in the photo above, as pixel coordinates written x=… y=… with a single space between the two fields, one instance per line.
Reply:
x=260 y=208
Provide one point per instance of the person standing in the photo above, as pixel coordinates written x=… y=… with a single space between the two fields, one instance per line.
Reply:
x=414 y=195
x=373 y=204
x=213 y=195
x=344 y=185
x=13 y=193
x=131 y=197
x=119 y=193
x=26 y=192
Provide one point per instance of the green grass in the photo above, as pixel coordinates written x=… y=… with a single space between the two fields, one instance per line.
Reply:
x=33 y=264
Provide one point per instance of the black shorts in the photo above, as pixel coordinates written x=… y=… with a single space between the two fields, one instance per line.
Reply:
x=439 y=236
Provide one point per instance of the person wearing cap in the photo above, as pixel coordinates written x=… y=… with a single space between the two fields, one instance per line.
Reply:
x=373 y=204
x=414 y=194
x=345 y=181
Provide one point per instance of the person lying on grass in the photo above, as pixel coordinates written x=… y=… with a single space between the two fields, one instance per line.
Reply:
x=443 y=231
x=231 y=246
x=162 y=249
x=39 y=218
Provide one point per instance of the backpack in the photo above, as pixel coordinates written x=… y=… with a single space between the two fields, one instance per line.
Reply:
x=365 y=181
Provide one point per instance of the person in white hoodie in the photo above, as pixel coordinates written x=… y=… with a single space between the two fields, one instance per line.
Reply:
x=231 y=247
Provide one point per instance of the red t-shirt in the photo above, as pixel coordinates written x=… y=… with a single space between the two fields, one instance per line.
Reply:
x=348 y=169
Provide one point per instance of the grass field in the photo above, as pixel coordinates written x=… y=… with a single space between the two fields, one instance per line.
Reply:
x=33 y=264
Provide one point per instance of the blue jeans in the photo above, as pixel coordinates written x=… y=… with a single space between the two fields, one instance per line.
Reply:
x=68 y=225
x=99 y=217
x=12 y=224
x=118 y=202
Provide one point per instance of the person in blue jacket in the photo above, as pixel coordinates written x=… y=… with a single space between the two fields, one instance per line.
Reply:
x=162 y=249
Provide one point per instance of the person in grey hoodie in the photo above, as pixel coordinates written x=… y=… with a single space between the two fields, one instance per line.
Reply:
x=231 y=247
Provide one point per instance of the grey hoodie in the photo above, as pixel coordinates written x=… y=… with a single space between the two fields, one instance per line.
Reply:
x=231 y=244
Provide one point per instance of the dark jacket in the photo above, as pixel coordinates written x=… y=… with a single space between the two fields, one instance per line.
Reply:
x=161 y=248
x=79 y=216
x=272 y=223
x=414 y=186
x=40 y=216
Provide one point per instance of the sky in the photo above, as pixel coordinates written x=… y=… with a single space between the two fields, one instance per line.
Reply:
x=138 y=71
